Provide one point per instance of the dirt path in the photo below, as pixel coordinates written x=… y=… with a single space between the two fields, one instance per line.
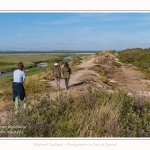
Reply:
x=124 y=77
x=77 y=78
x=131 y=80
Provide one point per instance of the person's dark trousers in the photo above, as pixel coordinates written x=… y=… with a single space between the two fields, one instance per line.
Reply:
x=67 y=82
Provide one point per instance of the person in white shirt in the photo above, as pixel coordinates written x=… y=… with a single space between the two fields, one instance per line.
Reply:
x=17 y=86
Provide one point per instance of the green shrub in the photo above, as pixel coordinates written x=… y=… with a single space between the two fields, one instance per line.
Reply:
x=137 y=57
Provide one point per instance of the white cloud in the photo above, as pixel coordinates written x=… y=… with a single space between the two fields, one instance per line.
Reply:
x=148 y=42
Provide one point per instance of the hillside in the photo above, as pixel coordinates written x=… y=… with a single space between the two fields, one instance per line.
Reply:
x=136 y=56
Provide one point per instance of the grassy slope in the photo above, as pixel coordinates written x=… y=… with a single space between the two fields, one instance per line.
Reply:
x=138 y=57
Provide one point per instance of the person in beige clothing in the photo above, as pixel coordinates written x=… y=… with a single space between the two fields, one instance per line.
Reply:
x=57 y=73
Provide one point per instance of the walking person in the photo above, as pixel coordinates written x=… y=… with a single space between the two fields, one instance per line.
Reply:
x=18 y=87
x=57 y=73
x=66 y=71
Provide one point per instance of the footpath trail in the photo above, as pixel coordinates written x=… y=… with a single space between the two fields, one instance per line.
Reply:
x=125 y=78
x=77 y=78
x=129 y=79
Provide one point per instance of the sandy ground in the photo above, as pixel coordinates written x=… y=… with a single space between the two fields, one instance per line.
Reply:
x=131 y=80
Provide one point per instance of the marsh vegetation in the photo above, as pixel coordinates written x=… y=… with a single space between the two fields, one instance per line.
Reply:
x=8 y=61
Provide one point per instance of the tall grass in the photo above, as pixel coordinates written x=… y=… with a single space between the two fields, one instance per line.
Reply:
x=96 y=113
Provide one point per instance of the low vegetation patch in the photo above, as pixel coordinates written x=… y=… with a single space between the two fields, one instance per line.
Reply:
x=96 y=113
x=102 y=74
x=76 y=61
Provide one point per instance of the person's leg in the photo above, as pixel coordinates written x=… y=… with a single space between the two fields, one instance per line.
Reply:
x=56 y=82
x=66 y=83
x=25 y=103
x=16 y=104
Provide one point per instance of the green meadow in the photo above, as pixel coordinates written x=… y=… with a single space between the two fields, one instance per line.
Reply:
x=9 y=62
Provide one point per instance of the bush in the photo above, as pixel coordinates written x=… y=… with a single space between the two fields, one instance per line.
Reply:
x=96 y=113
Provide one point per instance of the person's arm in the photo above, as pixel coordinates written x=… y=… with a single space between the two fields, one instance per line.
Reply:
x=23 y=81
x=70 y=70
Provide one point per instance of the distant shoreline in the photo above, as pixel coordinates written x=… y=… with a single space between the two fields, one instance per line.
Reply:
x=47 y=52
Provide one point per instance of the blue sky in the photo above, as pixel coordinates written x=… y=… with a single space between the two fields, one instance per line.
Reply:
x=74 y=30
